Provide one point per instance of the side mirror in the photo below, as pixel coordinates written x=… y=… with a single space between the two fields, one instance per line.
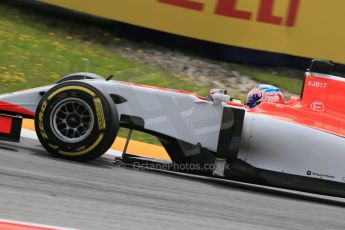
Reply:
x=218 y=96
x=221 y=91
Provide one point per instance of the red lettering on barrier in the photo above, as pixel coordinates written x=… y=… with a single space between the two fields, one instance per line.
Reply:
x=292 y=13
x=228 y=8
x=266 y=13
x=193 y=5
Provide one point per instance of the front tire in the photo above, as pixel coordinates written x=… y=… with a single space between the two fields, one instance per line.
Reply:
x=79 y=76
x=76 y=121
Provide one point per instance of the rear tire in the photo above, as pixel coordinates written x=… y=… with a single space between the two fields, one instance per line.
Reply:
x=76 y=121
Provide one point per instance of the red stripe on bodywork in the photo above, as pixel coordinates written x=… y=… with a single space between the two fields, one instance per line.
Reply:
x=163 y=89
x=19 y=226
x=177 y=91
x=5 y=125
x=5 y=106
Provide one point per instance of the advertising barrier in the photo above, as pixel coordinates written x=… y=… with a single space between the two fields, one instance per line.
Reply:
x=304 y=28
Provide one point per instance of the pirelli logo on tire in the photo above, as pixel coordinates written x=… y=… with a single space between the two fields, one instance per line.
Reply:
x=100 y=113
x=40 y=118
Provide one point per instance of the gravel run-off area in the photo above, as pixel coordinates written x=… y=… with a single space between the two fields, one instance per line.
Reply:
x=202 y=71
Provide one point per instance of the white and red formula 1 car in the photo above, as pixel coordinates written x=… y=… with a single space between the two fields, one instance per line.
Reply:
x=298 y=144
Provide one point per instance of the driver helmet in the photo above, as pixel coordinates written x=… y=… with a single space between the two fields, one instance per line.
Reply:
x=264 y=93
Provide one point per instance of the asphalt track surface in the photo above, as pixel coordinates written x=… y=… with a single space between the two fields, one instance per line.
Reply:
x=35 y=187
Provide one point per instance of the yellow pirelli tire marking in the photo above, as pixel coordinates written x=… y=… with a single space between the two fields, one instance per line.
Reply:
x=40 y=119
x=53 y=146
x=69 y=88
x=87 y=150
x=100 y=113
